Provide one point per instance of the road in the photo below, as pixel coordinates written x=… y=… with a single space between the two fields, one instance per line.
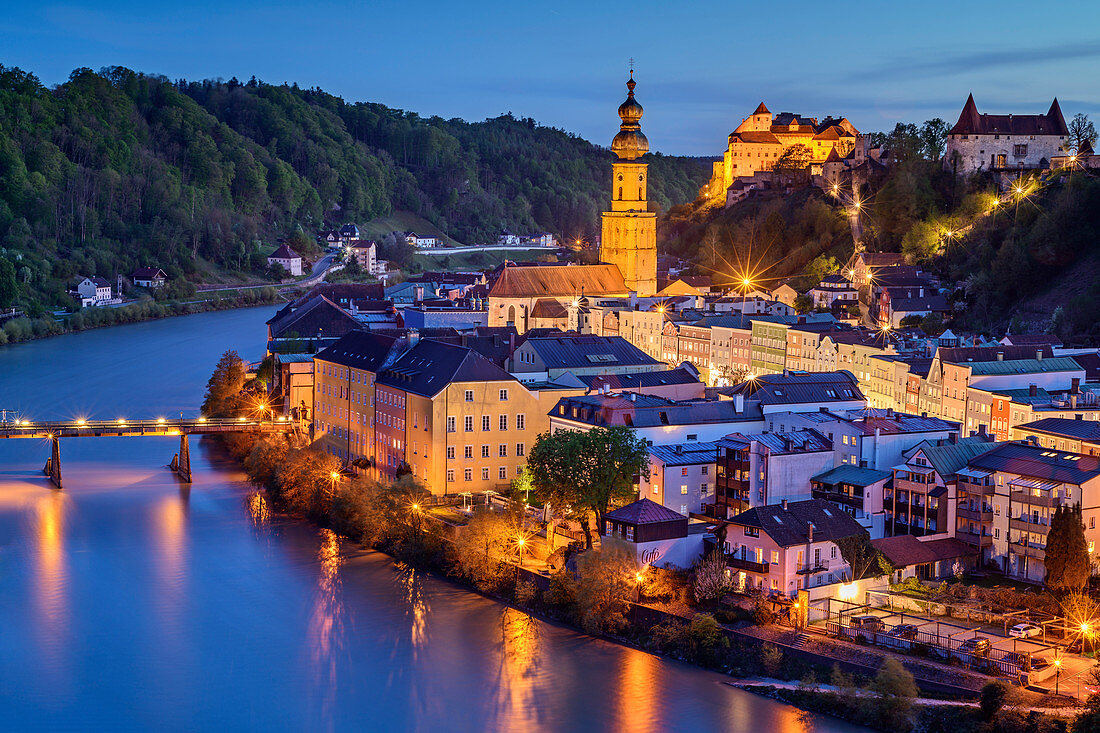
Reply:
x=445 y=251
x=320 y=269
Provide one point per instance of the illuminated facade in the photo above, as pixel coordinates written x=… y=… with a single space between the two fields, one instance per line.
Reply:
x=629 y=234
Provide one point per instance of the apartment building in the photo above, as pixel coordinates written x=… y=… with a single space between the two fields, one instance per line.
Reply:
x=754 y=469
x=791 y=392
x=1075 y=435
x=870 y=437
x=680 y=476
x=789 y=546
x=549 y=357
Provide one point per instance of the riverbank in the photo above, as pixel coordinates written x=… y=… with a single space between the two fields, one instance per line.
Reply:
x=22 y=329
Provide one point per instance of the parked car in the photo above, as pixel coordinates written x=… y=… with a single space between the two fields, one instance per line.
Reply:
x=904 y=631
x=870 y=623
x=1020 y=660
x=975 y=646
x=1023 y=631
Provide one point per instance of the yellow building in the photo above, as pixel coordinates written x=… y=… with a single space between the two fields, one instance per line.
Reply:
x=761 y=138
x=629 y=233
x=539 y=296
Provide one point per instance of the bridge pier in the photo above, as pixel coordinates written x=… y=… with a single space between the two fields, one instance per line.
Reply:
x=53 y=463
x=181 y=463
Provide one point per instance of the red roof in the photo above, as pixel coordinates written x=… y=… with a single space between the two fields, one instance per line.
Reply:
x=644 y=511
x=972 y=123
x=284 y=253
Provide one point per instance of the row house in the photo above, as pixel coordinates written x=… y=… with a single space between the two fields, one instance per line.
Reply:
x=549 y=357
x=1080 y=402
x=896 y=303
x=832 y=289
x=873 y=437
x=924 y=498
x=789 y=546
x=867 y=268
x=730 y=348
x=803 y=340
x=857 y=491
x=1063 y=434
x=769 y=339
x=949 y=375
x=760 y=468
x=796 y=392
x=1029 y=482
x=680 y=476
x=688 y=342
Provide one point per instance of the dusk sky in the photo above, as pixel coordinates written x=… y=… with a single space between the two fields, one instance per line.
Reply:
x=701 y=67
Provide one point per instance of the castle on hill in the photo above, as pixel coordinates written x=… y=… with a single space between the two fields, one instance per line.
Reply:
x=762 y=138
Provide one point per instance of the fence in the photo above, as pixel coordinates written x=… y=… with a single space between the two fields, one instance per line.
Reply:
x=907 y=639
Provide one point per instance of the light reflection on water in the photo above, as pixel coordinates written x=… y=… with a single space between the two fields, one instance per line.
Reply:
x=130 y=603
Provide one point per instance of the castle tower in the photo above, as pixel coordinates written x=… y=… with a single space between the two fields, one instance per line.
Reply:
x=629 y=235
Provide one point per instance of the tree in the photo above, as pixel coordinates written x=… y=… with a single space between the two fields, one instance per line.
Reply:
x=1067 y=556
x=795 y=157
x=1088 y=721
x=895 y=690
x=711 y=577
x=605 y=582
x=861 y=555
x=223 y=389
x=1082 y=134
x=994 y=696
x=587 y=471
x=921 y=242
x=933 y=137
x=905 y=142
x=9 y=288
x=484 y=546
x=803 y=303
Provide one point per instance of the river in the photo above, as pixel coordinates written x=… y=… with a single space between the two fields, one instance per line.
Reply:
x=131 y=602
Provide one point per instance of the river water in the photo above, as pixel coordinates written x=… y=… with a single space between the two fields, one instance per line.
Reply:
x=131 y=602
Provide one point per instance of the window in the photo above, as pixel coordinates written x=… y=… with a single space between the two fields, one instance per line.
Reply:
x=503 y=474
x=468 y=451
x=469 y=395
x=485 y=474
x=683 y=489
x=1019 y=150
x=775 y=558
x=1092 y=522
x=704 y=471
x=450 y=474
x=520 y=450
x=450 y=424
x=503 y=395
x=683 y=508
x=450 y=451
x=484 y=422
x=630 y=532
x=502 y=450
x=521 y=422
x=468 y=474
x=503 y=422
x=832 y=552
x=484 y=451
x=468 y=423
x=684 y=471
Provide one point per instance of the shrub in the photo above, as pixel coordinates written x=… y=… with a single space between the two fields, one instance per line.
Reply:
x=771 y=659
x=994 y=696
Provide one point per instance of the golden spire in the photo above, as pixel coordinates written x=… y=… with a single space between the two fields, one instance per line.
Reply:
x=630 y=143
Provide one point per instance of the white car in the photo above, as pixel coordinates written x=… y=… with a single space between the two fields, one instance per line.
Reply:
x=1023 y=631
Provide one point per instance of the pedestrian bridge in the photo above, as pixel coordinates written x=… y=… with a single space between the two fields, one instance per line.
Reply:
x=54 y=431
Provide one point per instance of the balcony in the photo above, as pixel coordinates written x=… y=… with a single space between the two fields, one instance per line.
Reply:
x=838 y=498
x=983 y=514
x=810 y=568
x=973 y=538
x=1028 y=549
x=1044 y=499
x=748 y=565
x=1024 y=524
x=887 y=502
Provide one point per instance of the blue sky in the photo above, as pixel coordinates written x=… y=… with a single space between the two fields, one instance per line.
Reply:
x=701 y=67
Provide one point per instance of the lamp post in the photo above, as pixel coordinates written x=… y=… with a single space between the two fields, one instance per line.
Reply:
x=519 y=547
x=1057 y=673
x=638 y=578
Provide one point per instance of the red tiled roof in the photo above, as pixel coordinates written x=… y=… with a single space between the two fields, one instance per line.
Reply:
x=972 y=123
x=559 y=280
x=644 y=511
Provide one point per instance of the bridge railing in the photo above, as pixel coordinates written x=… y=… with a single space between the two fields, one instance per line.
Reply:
x=123 y=426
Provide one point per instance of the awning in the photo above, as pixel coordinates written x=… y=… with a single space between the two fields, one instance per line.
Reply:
x=922 y=470
x=1034 y=483
x=938 y=491
x=974 y=472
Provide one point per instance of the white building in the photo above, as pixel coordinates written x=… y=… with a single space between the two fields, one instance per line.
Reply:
x=422 y=242
x=290 y=260
x=985 y=142
x=94 y=291
x=655 y=534
x=681 y=476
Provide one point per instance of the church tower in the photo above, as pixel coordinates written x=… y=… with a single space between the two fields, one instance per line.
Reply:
x=629 y=236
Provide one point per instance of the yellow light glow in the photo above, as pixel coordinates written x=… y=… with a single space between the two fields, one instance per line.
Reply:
x=240 y=419
x=160 y=420
x=334 y=475
x=202 y=419
x=638 y=577
x=1085 y=628
x=416 y=507
x=81 y=422
x=24 y=422
x=847 y=591
x=520 y=542
x=121 y=421
x=746 y=282
x=1057 y=662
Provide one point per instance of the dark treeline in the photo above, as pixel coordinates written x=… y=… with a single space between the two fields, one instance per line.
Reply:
x=117 y=169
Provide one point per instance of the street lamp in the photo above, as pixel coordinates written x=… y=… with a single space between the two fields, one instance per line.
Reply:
x=519 y=544
x=1058 y=674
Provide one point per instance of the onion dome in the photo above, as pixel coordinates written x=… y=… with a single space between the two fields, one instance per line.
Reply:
x=630 y=143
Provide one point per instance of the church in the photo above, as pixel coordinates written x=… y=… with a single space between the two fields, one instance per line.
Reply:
x=540 y=296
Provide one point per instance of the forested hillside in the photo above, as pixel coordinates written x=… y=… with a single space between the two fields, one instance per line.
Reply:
x=116 y=169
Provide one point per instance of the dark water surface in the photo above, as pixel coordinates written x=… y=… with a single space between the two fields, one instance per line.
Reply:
x=131 y=602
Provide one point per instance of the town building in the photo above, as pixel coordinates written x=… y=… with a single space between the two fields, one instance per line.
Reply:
x=656 y=419
x=793 y=392
x=540 y=358
x=1030 y=481
x=789 y=546
x=680 y=476
x=537 y=296
x=421 y=241
x=292 y=385
x=286 y=258
x=628 y=238
x=871 y=437
x=924 y=559
x=94 y=291
x=833 y=288
x=679 y=384
x=754 y=469
x=1062 y=434
x=656 y=535
x=309 y=325
x=857 y=491
x=986 y=142
x=365 y=252
x=149 y=277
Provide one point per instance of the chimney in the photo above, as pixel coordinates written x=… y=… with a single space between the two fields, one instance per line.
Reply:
x=512 y=342
x=981 y=429
x=810 y=531
x=1073 y=401
x=1038 y=354
x=802 y=319
x=924 y=414
x=633 y=397
x=1075 y=385
x=784 y=505
x=739 y=403
x=921 y=292
x=953 y=437
x=1000 y=356
x=1032 y=390
x=889 y=412
x=1078 y=416
x=679 y=449
x=413 y=335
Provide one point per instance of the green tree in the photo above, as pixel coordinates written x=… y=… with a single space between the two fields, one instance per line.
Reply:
x=9 y=288
x=860 y=555
x=933 y=137
x=895 y=689
x=1082 y=134
x=795 y=157
x=484 y=547
x=587 y=471
x=921 y=242
x=604 y=585
x=905 y=142
x=1067 y=555
x=223 y=389
x=803 y=303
